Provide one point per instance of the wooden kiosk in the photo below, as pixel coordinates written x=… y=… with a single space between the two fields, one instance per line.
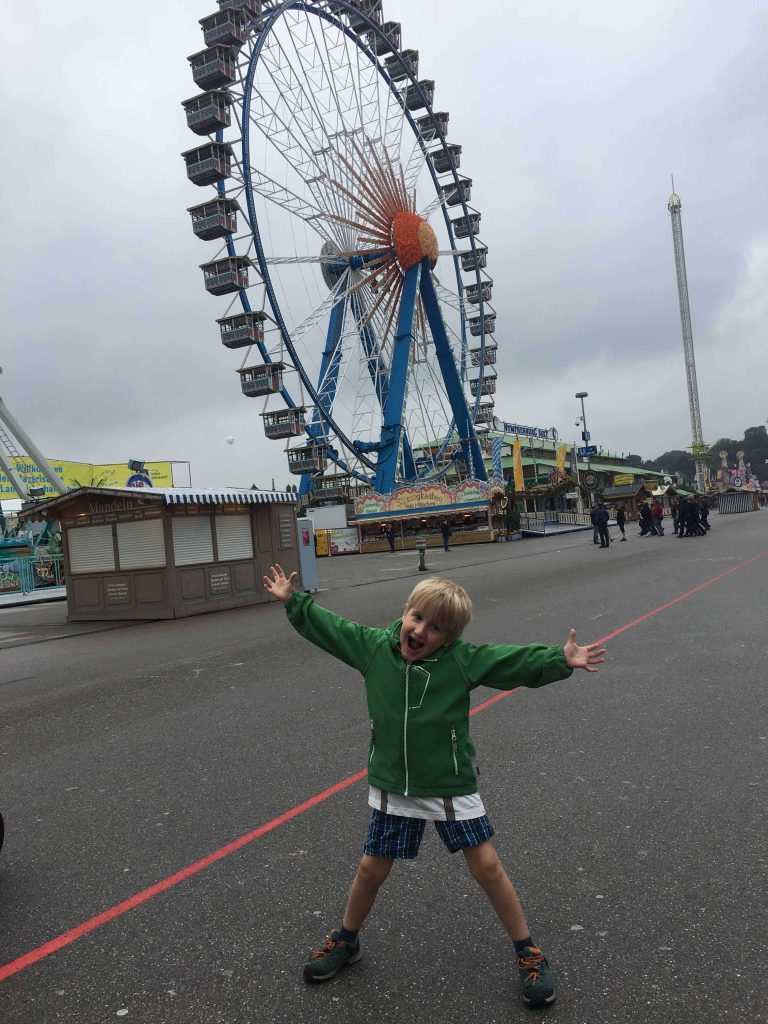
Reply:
x=164 y=553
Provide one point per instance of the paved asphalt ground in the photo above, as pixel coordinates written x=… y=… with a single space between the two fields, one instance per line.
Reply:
x=630 y=807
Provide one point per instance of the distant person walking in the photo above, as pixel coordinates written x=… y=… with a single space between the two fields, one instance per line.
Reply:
x=601 y=521
x=389 y=533
x=646 y=520
x=704 y=512
x=446 y=532
x=657 y=513
x=682 y=516
x=621 y=519
x=595 y=531
x=695 y=527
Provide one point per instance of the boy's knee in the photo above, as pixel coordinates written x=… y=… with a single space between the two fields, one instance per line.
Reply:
x=484 y=864
x=373 y=870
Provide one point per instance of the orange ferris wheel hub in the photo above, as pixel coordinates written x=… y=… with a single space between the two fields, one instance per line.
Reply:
x=413 y=239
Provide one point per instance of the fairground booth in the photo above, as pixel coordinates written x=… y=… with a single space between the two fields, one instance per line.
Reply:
x=420 y=512
x=629 y=496
x=164 y=553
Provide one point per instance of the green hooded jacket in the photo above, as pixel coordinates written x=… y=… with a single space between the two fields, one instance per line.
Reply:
x=419 y=711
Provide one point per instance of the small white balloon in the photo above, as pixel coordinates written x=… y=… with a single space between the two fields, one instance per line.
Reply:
x=229 y=439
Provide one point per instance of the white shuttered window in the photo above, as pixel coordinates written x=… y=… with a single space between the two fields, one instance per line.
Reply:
x=192 y=540
x=90 y=549
x=233 y=537
x=141 y=545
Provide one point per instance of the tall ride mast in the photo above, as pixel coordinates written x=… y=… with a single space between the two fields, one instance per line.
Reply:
x=10 y=428
x=699 y=449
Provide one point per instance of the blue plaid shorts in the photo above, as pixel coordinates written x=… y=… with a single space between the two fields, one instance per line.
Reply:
x=391 y=835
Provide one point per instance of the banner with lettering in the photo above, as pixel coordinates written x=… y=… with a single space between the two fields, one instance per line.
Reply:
x=517 y=466
x=421 y=496
x=86 y=474
x=560 y=453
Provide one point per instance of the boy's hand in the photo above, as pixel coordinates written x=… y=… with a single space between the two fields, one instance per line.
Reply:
x=281 y=586
x=582 y=657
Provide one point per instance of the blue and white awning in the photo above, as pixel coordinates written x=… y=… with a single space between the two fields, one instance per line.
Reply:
x=188 y=496
x=159 y=495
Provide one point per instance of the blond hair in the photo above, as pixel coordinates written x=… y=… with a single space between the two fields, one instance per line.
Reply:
x=445 y=602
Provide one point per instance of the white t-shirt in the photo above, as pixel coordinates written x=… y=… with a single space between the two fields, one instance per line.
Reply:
x=433 y=808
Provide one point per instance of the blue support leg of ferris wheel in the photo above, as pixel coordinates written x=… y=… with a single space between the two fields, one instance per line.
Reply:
x=378 y=373
x=464 y=425
x=327 y=381
x=392 y=424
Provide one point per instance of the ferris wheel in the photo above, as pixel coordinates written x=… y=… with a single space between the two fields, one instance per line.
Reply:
x=339 y=209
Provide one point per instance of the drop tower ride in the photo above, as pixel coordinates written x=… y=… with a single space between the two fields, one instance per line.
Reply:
x=699 y=450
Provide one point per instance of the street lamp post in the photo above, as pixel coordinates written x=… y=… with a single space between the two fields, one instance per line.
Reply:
x=585 y=435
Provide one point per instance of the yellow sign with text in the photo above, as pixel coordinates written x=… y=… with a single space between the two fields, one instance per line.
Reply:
x=623 y=480
x=86 y=474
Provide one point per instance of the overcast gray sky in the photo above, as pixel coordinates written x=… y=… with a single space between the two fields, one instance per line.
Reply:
x=571 y=116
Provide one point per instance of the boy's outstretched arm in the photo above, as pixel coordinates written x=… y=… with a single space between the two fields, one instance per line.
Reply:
x=349 y=641
x=280 y=586
x=582 y=657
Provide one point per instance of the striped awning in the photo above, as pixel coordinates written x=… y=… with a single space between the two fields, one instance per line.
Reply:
x=159 y=495
x=183 y=496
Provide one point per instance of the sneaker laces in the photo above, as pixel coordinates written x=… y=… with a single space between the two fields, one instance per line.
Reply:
x=328 y=948
x=531 y=964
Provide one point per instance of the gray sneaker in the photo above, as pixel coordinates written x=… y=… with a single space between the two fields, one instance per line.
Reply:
x=326 y=963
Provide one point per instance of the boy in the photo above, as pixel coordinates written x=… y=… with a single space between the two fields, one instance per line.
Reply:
x=418 y=678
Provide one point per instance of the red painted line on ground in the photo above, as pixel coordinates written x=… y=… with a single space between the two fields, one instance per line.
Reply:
x=682 y=597
x=67 y=938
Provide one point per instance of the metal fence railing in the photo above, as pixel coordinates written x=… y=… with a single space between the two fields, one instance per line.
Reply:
x=574 y=518
x=27 y=573
x=535 y=522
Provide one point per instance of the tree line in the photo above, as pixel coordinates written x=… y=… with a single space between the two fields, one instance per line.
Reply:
x=754 y=444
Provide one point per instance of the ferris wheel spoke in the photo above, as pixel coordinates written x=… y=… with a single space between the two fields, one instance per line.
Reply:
x=304 y=102
x=280 y=133
x=430 y=208
x=450 y=298
x=414 y=165
x=292 y=203
x=357 y=91
x=282 y=261
x=276 y=132
x=326 y=94
x=309 y=322
x=353 y=103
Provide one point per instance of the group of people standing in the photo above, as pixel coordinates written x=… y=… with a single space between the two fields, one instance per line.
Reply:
x=690 y=518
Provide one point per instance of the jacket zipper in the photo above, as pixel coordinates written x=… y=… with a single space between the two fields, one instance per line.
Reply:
x=405 y=724
x=373 y=743
x=454 y=750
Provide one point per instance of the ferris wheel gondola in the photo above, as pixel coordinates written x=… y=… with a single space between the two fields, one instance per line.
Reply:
x=340 y=210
